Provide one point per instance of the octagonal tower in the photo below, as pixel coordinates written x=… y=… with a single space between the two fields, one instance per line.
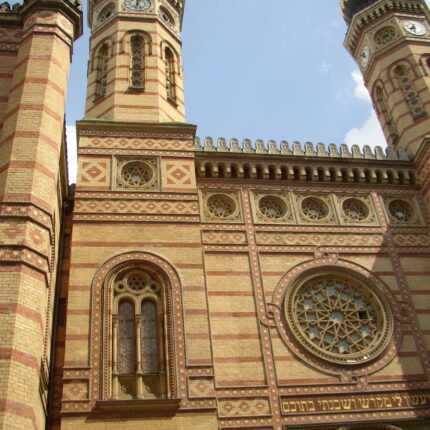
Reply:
x=390 y=42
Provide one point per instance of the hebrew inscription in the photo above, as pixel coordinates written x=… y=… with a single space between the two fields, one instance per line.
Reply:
x=368 y=402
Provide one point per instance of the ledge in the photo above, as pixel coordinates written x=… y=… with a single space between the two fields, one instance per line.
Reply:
x=141 y=405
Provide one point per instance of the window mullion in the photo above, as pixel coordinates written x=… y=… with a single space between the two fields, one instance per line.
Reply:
x=115 y=388
x=138 y=331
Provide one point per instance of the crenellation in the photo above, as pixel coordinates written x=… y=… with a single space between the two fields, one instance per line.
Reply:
x=299 y=150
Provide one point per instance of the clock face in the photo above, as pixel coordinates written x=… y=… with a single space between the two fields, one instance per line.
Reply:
x=137 y=4
x=415 y=28
x=365 y=56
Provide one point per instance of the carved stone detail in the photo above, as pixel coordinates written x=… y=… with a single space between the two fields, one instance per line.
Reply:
x=136 y=174
x=220 y=206
x=315 y=209
x=402 y=211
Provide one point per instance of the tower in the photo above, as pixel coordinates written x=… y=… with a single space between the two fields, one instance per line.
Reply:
x=35 y=52
x=135 y=68
x=390 y=42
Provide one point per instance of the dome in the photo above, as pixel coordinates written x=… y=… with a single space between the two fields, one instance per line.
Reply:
x=351 y=7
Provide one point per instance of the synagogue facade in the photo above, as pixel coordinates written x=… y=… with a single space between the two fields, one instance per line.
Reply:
x=186 y=283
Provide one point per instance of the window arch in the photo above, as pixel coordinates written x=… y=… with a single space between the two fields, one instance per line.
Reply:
x=382 y=109
x=138 y=326
x=169 y=61
x=409 y=92
x=137 y=62
x=102 y=71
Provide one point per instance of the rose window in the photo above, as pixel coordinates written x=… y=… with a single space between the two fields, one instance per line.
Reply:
x=314 y=209
x=384 y=36
x=136 y=174
x=272 y=207
x=400 y=210
x=221 y=206
x=338 y=318
x=355 y=210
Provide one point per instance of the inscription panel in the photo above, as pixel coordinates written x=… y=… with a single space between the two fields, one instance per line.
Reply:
x=355 y=403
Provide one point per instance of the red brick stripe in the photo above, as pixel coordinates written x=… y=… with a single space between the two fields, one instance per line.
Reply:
x=19 y=357
x=139 y=244
x=42 y=81
x=14 y=308
x=18 y=409
x=238 y=359
x=231 y=293
x=235 y=336
x=228 y=273
x=233 y=314
x=34 y=107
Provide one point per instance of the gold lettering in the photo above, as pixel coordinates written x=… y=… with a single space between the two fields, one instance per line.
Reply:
x=364 y=403
x=397 y=398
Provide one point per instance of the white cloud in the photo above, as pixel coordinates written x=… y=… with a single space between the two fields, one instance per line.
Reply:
x=72 y=152
x=325 y=68
x=370 y=133
x=360 y=91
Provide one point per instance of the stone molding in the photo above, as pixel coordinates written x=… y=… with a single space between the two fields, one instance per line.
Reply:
x=297 y=149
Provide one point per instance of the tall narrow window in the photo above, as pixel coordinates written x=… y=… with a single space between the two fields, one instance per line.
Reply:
x=137 y=65
x=126 y=336
x=102 y=69
x=409 y=91
x=137 y=328
x=383 y=110
x=150 y=338
x=170 y=75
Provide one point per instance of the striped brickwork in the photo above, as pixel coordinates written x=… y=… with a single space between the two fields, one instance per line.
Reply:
x=233 y=363
x=402 y=105
x=122 y=103
x=33 y=82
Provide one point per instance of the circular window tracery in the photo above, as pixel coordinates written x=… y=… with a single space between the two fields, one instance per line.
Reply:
x=401 y=211
x=221 y=206
x=385 y=35
x=338 y=318
x=272 y=207
x=355 y=210
x=136 y=174
x=314 y=209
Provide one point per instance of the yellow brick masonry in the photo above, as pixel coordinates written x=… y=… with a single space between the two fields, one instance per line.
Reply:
x=32 y=173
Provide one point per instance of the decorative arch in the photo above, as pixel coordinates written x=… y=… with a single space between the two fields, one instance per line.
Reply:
x=405 y=82
x=325 y=264
x=379 y=95
x=147 y=38
x=106 y=300
x=102 y=71
x=105 y=42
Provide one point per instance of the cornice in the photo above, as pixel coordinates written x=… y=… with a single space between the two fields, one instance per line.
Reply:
x=375 y=12
x=133 y=129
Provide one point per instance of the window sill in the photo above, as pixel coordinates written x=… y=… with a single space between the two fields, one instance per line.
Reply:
x=172 y=101
x=132 y=89
x=139 y=405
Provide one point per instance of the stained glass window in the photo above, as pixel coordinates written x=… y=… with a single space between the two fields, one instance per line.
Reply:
x=126 y=338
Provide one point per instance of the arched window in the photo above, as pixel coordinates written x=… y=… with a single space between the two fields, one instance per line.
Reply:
x=409 y=91
x=137 y=62
x=102 y=69
x=382 y=109
x=138 y=331
x=169 y=60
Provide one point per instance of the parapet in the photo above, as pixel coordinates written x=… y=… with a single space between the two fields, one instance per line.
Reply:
x=297 y=149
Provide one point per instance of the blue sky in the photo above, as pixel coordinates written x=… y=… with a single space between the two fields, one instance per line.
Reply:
x=261 y=69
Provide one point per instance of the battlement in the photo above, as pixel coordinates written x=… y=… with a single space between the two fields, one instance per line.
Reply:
x=297 y=149
x=6 y=7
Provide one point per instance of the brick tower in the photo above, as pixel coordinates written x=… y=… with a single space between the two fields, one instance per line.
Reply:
x=390 y=42
x=35 y=51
